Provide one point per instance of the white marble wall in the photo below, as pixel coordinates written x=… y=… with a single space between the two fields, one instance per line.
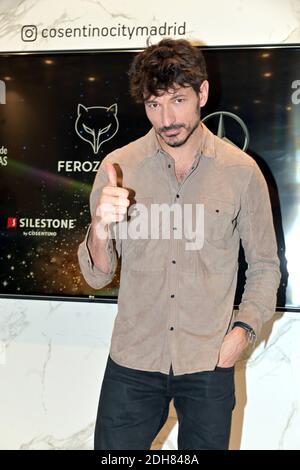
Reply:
x=51 y=370
x=53 y=354
x=215 y=22
x=52 y=362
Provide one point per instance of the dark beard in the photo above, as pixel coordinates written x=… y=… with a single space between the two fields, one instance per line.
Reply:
x=178 y=126
x=182 y=142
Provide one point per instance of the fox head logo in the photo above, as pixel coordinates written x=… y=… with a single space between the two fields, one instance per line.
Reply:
x=96 y=124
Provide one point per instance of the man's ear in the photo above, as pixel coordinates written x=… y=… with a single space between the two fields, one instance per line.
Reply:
x=203 y=94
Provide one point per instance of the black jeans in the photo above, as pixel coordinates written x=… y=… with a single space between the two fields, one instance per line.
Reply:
x=134 y=406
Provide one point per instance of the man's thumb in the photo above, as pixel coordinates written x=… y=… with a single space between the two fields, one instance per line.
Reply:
x=111 y=173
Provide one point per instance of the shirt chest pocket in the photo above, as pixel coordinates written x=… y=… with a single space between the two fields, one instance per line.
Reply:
x=219 y=219
x=139 y=219
x=143 y=249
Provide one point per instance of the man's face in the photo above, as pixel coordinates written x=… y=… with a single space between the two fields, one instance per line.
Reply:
x=175 y=114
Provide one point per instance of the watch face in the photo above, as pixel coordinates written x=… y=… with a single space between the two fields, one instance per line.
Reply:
x=251 y=335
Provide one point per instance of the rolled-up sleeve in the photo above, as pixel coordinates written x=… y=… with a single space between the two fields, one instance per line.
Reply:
x=255 y=225
x=93 y=275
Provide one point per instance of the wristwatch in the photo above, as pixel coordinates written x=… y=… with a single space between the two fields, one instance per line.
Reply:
x=250 y=332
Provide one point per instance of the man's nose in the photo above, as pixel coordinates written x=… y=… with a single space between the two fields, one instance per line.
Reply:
x=167 y=117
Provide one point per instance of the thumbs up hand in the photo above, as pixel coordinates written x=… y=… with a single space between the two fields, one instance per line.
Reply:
x=111 y=173
x=113 y=202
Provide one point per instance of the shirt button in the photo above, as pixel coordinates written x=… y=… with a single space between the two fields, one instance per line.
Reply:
x=169 y=166
x=173 y=261
x=172 y=328
x=174 y=228
x=172 y=296
x=177 y=195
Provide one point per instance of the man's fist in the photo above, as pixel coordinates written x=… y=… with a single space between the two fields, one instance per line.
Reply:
x=113 y=201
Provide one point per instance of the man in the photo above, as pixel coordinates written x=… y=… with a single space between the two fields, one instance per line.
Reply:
x=174 y=336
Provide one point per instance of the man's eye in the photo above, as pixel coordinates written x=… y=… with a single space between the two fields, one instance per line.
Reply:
x=179 y=100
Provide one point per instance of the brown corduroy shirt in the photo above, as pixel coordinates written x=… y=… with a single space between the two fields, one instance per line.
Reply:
x=176 y=305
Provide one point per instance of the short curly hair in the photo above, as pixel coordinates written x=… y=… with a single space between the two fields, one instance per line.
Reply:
x=160 y=66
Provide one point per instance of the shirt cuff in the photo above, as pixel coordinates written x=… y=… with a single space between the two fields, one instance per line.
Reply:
x=93 y=275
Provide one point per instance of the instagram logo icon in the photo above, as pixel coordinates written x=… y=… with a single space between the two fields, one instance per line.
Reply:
x=29 y=33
